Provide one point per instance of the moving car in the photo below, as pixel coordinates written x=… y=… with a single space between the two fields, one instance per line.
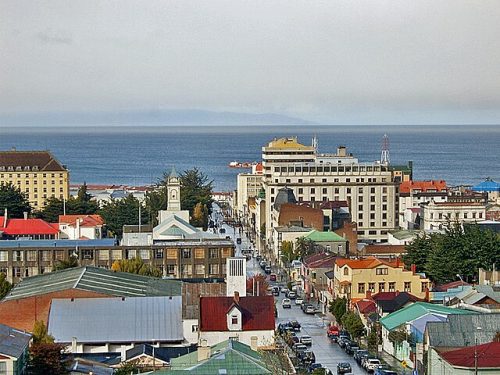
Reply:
x=238 y=241
x=267 y=269
x=333 y=330
x=286 y=303
x=276 y=291
x=299 y=348
x=310 y=309
x=306 y=340
x=295 y=325
x=299 y=301
x=344 y=368
x=292 y=295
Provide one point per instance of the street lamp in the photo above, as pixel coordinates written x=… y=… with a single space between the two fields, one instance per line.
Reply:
x=460 y=277
x=478 y=329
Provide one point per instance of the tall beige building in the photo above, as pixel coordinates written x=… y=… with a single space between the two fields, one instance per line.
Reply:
x=370 y=188
x=36 y=173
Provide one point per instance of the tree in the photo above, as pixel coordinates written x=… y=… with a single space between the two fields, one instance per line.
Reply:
x=46 y=358
x=303 y=247
x=198 y=215
x=5 y=286
x=71 y=262
x=135 y=265
x=353 y=324
x=373 y=339
x=287 y=252
x=418 y=251
x=338 y=307
x=40 y=333
x=120 y=212
x=258 y=283
x=15 y=201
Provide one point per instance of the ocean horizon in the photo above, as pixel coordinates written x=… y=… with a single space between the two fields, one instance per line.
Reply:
x=459 y=154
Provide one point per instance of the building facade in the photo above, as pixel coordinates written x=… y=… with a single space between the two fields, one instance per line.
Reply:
x=38 y=174
x=369 y=187
x=437 y=215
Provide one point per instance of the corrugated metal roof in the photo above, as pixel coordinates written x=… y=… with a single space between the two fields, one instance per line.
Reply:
x=12 y=341
x=415 y=311
x=97 y=280
x=317 y=236
x=57 y=243
x=462 y=330
x=107 y=320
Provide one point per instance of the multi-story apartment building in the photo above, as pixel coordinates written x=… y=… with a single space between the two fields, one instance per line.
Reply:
x=354 y=278
x=369 y=188
x=36 y=173
x=436 y=215
x=180 y=259
x=248 y=186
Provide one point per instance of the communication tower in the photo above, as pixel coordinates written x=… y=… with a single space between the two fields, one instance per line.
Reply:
x=384 y=157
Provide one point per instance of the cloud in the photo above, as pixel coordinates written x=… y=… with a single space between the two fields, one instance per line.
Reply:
x=51 y=36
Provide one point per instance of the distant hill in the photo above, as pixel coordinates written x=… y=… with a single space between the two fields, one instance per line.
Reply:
x=150 y=118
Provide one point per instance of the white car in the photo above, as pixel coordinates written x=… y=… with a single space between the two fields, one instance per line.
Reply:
x=306 y=340
x=286 y=303
x=299 y=301
x=371 y=364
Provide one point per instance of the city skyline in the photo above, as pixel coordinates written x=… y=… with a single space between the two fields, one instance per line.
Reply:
x=279 y=62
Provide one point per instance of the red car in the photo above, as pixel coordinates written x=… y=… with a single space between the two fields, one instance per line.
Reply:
x=272 y=277
x=333 y=331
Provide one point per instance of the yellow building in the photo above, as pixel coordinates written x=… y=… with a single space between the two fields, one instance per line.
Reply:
x=355 y=278
x=36 y=173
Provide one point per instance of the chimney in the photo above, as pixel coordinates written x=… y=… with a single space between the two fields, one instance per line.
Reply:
x=123 y=353
x=397 y=293
x=236 y=298
x=203 y=351
x=25 y=215
x=253 y=343
x=74 y=346
x=414 y=268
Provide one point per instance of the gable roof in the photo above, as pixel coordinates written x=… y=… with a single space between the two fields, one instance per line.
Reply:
x=488 y=356
x=489 y=185
x=121 y=320
x=44 y=161
x=366 y=306
x=16 y=227
x=318 y=236
x=415 y=311
x=461 y=330
x=228 y=357
x=447 y=286
x=99 y=280
x=366 y=263
x=12 y=341
x=422 y=186
x=163 y=353
x=85 y=220
x=257 y=313
x=393 y=301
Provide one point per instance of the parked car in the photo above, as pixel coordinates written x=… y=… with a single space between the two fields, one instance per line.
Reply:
x=295 y=325
x=358 y=354
x=284 y=290
x=333 y=330
x=384 y=370
x=342 y=340
x=371 y=364
x=344 y=368
x=272 y=277
x=298 y=348
x=299 y=301
x=222 y=230
x=304 y=306
x=292 y=295
x=306 y=340
x=310 y=309
x=276 y=291
x=313 y=367
x=267 y=270
x=350 y=347
x=307 y=357
x=238 y=241
x=286 y=303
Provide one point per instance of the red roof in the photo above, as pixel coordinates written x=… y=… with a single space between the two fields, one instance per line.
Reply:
x=422 y=186
x=17 y=227
x=258 y=313
x=488 y=356
x=369 y=262
x=319 y=260
x=445 y=287
x=85 y=220
x=389 y=296
x=366 y=306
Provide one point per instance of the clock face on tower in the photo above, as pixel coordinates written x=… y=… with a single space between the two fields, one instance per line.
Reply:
x=173 y=194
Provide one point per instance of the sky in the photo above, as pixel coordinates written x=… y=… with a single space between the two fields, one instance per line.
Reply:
x=328 y=62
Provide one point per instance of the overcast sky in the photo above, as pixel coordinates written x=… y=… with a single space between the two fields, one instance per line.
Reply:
x=333 y=62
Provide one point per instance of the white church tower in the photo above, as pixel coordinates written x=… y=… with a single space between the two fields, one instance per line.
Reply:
x=173 y=191
x=236 y=280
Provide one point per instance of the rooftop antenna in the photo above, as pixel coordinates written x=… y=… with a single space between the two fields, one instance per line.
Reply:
x=384 y=157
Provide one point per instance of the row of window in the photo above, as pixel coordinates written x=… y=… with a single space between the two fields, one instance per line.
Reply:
x=327 y=168
x=35 y=182
x=473 y=215
x=362 y=287
x=28 y=175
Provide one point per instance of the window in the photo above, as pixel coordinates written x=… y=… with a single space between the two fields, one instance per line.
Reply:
x=171 y=269
x=18 y=256
x=186 y=270
x=372 y=190
x=425 y=285
x=360 y=199
x=234 y=319
x=348 y=190
x=361 y=288
x=16 y=271
x=194 y=328
x=407 y=286
x=186 y=253
x=199 y=253
x=371 y=287
x=200 y=269
x=313 y=191
x=360 y=207
x=346 y=271
x=382 y=271
x=213 y=253
x=159 y=253
x=392 y=287
x=324 y=190
x=4 y=256
x=45 y=256
x=213 y=269
x=301 y=190
x=381 y=287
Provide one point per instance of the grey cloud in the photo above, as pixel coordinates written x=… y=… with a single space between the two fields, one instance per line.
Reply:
x=51 y=36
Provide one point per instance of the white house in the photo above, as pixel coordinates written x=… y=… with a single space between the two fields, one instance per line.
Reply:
x=75 y=227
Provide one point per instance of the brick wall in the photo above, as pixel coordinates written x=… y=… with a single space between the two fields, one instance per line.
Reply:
x=22 y=313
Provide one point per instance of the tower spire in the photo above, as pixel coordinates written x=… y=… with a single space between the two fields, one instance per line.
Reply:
x=384 y=157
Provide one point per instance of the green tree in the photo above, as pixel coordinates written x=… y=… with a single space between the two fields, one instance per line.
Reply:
x=15 y=201
x=71 y=262
x=127 y=369
x=40 y=333
x=418 y=251
x=353 y=324
x=338 y=307
x=46 y=358
x=135 y=265
x=5 y=286
x=287 y=252
x=303 y=247
x=120 y=212
x=373 y=340
x=198 y=215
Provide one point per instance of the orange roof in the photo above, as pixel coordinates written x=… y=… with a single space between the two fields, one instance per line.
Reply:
x=422 y=186
x=85 y=220
x=366 y=263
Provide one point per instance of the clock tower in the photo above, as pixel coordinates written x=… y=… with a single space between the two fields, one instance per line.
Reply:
x=173 y=191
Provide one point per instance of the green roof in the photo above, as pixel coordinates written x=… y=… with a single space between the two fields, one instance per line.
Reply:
x=415 y=311
x=232 y=356
x=99 y=280
x=317 y=236
x=405 y=234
